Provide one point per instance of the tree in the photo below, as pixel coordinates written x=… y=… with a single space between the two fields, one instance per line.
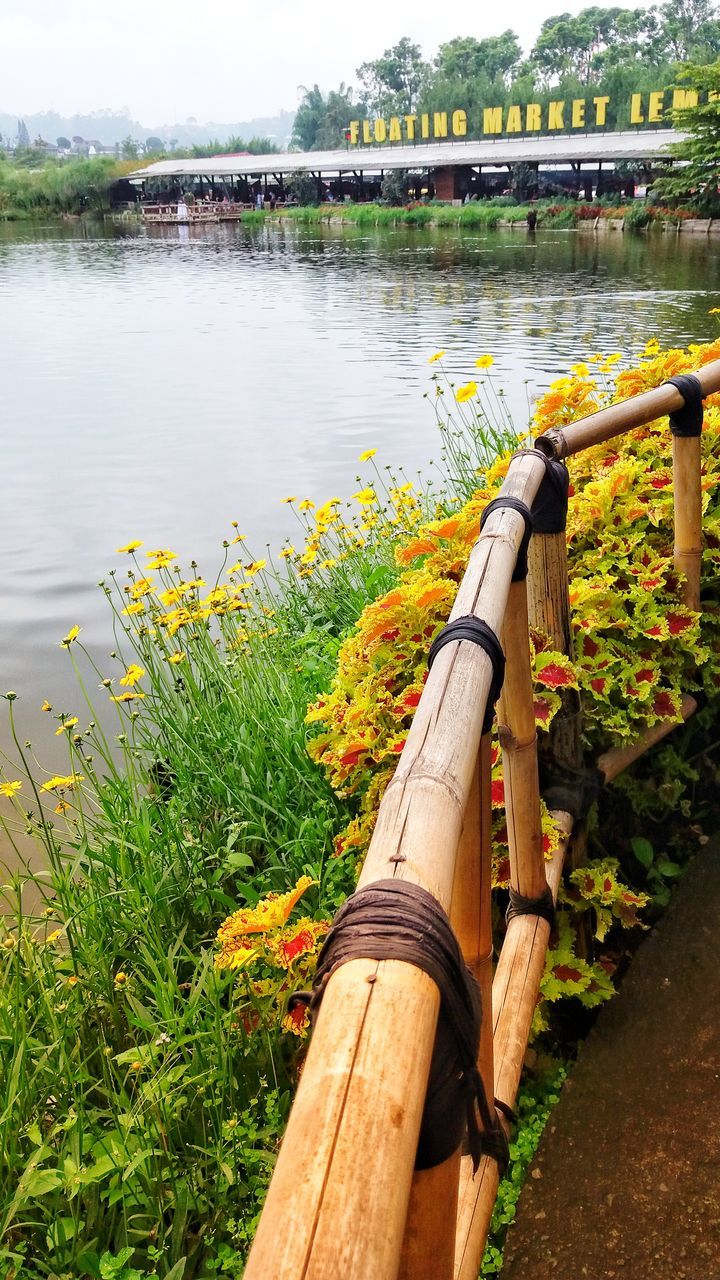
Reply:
x=394 y=187
x=699 y=178
x=391 y=84
x=691 y=30
x=129 y=148
x=154 y=144
x=63 y=143
x=581 y=45
x=303 y=187
x=23 y=137
x=320 y=122
x=466 y=58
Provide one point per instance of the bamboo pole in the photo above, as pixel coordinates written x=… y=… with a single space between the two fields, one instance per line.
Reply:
x=515 y=991
x=687 y=552
x=429 y=1242
x=518 y=739
x=360 y=1100
x=624 y=416
x=549 y=613
x=612 y=762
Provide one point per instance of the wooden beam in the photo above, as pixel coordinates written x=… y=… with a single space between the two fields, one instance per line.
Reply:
x=612 y=762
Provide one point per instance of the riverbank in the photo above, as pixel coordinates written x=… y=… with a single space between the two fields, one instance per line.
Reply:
x=259 y=716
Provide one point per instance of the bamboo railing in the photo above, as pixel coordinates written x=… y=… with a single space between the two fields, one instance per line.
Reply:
x=345 y=1202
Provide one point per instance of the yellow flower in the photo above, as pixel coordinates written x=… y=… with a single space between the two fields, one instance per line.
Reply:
x=307 y=504
x=466 y=393
x=287 y=551
x=132 y=675
x=61 y=807
x=367 y=455
x=8 y=942
x=62 y=782
x=131 y=546
x=256 y=566
x=72 y=634
x=580 y=370
x=714 y=311
x=73 y=980
x=484 y=362
x=438 y=356
x=366 y=497
x=66 y=724
x=652 y=347
x=175 y=658
x=46 y=706
x=126 y=697
x=138 y=607
x=9 y=788
x=136 y=1066
x=53 y=937
x=120 y=978
x=239 y=537
x=292 y=499
x=142 y=587
x=159 y=559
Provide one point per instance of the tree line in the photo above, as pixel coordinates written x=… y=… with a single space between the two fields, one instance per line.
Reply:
x=619 y=51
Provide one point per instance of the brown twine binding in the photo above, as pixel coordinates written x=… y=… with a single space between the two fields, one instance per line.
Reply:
x=394 y=920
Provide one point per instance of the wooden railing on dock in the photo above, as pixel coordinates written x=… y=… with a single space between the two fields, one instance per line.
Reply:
x=345 y=1202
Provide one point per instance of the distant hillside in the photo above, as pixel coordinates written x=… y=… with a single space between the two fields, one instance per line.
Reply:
x=110 y=127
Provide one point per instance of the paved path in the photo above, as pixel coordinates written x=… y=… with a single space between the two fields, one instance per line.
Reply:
x=626 y=1183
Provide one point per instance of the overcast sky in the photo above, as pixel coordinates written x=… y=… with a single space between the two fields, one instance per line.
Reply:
x=226 y=60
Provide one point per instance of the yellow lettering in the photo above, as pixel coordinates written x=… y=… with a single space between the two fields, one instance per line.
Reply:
x=600 y=109
x=514 y=120
x=655 y=105
x=367 y=135
x=492 y=120
x=578 y=113
x=533 y=116
x=395 y=133
x=636 y=115
x=459 y=123
x=683 y=98
x=410 y=127
x=424 y=125
x=555 y=115
x=354 y=132
x=380 y=130
x=440 y=129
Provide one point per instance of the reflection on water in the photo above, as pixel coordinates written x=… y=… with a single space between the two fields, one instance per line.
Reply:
x=160 y=385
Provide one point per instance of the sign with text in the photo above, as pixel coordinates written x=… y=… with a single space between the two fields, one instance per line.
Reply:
x=561 y=116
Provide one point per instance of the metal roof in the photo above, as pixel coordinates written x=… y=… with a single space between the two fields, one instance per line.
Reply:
x=645 y=144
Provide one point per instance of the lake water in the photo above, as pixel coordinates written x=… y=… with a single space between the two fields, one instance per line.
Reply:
x=159 y=385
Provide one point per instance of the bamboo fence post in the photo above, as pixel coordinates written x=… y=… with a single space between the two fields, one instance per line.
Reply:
x=349 y=1150
x=549 y=612
x=518 y=739
x=429 y=1241
x=687 y=551
x=515 y=991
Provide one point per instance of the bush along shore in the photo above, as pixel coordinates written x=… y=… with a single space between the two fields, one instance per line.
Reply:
x=215 y=813
x=501 y=211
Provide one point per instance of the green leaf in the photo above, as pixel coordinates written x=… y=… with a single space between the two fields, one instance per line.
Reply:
x=670 y=870
x=643 y=850
x=178 y=1271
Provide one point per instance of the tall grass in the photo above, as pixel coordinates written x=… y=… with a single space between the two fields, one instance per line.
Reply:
x=142 y=1091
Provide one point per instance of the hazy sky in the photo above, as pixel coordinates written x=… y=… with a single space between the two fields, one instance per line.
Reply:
x=226 y=60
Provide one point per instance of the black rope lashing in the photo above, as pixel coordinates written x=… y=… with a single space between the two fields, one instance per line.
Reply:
x=514 y=504
x=573 y=791
x=542 y=906
x=550 y=508
x=474 y=629
x=687 y=421
x=394 y=920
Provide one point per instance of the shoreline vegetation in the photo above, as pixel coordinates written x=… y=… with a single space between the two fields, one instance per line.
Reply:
x=197 y=848
x=80 y=188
